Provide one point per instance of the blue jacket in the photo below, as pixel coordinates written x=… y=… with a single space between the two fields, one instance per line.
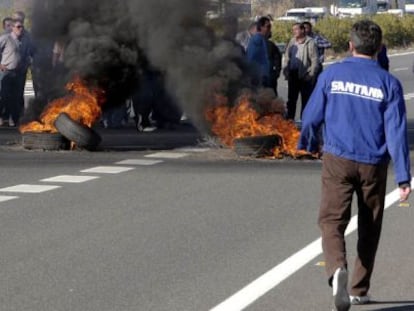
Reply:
x=257 y=53
x=362 y=110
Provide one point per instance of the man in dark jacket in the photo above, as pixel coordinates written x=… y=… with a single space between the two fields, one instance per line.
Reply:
x=275 y=64
x=258 y=53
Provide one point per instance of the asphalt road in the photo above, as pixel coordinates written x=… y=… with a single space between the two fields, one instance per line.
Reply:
x=146 y=224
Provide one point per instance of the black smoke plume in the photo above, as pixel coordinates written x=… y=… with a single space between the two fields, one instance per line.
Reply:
x=111 y=43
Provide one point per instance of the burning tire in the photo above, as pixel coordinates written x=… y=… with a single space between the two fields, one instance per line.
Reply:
x=256 y=146
x=81 y=135
x=44 y=141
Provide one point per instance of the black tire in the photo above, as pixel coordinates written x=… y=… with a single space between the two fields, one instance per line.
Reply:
x=81 y=135
x=44 y=141
x=256 y=146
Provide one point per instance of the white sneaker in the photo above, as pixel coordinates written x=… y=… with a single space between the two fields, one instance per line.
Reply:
x=149 y=129
x=360 y=300
x=340 y=291
x=11 y=122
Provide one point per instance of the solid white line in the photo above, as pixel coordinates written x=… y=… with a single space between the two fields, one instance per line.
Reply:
x=4 y=198
x=285 y=269
x=107 y=169
x=24 y=188
x=69 y=179
x=139 y=162
x=400 y=54
x=400 y=69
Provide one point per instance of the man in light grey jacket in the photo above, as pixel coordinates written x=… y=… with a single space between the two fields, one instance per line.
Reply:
x=15 y=54
x=301 y=66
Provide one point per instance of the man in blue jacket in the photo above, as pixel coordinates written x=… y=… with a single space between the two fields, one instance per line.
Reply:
x=361 y=110
x=257 y=52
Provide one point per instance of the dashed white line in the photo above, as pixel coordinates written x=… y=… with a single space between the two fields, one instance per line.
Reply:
x=139 y=162
x=167 y=155
x=108 y=169
x=4 y=198
x=256 y=289
x=69 y=179
x=25 y=188
x=193 y=149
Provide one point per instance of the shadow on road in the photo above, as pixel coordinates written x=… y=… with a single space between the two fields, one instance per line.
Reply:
x=408 y=307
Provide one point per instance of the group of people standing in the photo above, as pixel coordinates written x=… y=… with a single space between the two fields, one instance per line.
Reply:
x=301 y=64
x=16 y=52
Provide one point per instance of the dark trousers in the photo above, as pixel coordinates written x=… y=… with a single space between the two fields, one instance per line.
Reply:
x=273 y=82
x=342 y=178
x=297 y=86
x=12 y=90
x=2 y=104
x=22 y=83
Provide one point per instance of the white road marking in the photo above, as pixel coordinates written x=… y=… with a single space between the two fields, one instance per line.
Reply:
x=139 y=162
x=167 y=155
x=408 y=96
x=400 y=54
x=4 y=198
x=107 y=169
x=193 y=149
x=285 y=269
x=24 y=188
x=400 y=69
x=69 y=179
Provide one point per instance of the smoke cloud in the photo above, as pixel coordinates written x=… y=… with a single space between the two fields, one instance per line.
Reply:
x=111 y=43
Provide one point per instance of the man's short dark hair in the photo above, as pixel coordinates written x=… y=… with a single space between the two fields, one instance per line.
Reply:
x=262 y=21
x=7 y=19
x=307 y=23
x=366 y=37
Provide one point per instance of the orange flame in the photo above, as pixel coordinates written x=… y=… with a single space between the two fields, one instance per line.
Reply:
x=83 y=105
x=242 y=120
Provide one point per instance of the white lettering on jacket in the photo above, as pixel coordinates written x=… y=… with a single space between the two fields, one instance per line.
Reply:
x=359 y=90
